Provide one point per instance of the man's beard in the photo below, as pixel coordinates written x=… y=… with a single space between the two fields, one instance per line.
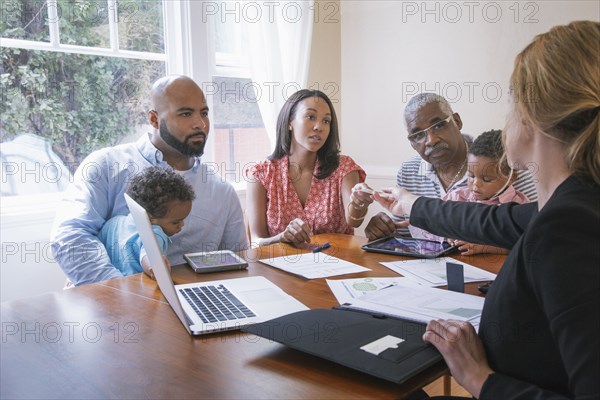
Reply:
x=185 y=148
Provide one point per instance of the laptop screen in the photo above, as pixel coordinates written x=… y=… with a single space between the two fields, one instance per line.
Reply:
x=161 y=272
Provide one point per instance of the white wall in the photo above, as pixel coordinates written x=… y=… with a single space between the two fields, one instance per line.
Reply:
x=392 y=50
x=325 y=68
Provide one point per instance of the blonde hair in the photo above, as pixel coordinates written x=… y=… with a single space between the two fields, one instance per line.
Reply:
x=556 y=85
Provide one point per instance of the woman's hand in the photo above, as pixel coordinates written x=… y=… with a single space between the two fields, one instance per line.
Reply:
x=397 y=200
x=357 y=204
x=296 y=232
x=361 y=196
x=463 y=351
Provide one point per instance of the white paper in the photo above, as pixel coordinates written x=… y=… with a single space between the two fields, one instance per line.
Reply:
x=380 y=345
x=345 y=290
x=314 y=265
x=421 y=303
x=432 y=272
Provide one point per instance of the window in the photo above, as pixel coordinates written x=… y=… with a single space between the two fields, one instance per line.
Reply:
x=239 y=135
x=74 y=77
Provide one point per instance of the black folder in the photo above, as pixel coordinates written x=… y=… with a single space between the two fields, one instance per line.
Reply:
x=338 y=335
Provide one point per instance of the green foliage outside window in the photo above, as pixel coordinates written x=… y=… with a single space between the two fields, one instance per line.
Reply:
x=78 y=102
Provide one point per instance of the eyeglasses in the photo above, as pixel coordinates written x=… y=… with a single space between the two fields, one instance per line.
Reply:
x=437 y=128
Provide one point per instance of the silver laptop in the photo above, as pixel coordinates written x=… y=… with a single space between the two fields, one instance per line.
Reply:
x=207 y=307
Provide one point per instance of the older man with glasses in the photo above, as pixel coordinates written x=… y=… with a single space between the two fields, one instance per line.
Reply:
x=441 y=166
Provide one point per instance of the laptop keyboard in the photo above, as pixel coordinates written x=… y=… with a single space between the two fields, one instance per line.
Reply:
x=215 y=303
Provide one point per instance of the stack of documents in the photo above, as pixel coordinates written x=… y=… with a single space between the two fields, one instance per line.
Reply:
x=419 y=303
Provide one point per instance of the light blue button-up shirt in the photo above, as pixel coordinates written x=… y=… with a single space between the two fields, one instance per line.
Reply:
x=96 y=195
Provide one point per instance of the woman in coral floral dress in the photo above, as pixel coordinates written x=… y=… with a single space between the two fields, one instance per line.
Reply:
x=304 y=187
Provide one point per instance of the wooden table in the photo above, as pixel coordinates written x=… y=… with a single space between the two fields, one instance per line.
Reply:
x=120 y=339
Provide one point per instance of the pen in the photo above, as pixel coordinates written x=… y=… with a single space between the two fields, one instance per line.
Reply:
x=321 y=248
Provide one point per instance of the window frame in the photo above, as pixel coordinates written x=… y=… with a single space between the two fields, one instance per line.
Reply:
x=113 y=51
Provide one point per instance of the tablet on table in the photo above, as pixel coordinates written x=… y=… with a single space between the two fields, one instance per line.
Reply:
x=213 y=261
x=411 y=247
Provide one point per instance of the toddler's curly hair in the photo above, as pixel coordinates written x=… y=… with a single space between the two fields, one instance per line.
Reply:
x=489 y=144
x=155 y=187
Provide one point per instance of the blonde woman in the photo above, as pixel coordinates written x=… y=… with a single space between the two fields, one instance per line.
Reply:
x=539 y=334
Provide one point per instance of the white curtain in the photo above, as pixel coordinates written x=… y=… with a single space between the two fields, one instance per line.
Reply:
x=277 y=47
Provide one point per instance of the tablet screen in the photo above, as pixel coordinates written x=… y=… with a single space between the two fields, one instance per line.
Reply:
x=410 y=246
x=213 y=259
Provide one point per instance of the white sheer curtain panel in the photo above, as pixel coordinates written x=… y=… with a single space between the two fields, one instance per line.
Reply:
x=277 y=47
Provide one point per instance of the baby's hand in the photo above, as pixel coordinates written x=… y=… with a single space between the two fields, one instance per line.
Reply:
x=148 y=268
x=468 y=249
x=167 y=263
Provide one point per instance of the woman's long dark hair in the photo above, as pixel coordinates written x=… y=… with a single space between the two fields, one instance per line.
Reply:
x=329 y=154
